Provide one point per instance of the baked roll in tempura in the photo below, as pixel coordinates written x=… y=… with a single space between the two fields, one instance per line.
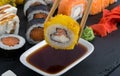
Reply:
x=61 y=32
x=35 y=30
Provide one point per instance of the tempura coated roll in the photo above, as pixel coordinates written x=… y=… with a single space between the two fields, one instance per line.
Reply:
x=61 y=32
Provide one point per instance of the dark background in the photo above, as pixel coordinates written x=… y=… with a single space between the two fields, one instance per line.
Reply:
x=104 y=61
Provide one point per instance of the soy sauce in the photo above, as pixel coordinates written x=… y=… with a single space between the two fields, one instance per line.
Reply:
x=53 y=60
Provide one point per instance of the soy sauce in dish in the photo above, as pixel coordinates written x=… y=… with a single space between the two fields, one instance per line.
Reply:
x=52 y=60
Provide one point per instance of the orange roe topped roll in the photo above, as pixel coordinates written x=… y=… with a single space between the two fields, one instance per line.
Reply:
x=73 y=8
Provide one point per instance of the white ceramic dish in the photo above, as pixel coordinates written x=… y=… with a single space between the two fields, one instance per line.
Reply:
x=23 y=57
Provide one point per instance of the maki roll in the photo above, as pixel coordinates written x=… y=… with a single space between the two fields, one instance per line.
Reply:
x=73 y=8
x=36 y=12
x=61 y=32
x=11 y=42
x=8 y=8
x=32 y=3
x=9 y=24
x=35 y=32
x=40 y=11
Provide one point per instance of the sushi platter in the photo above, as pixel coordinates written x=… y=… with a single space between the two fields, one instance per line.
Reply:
x=26 y=31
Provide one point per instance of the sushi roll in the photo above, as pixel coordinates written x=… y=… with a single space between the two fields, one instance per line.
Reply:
x=96 y=7
x=40 y=11
x=35 y=32
x=11 y=42
x=61 y=32
x=8 y=8
x=9 y=24
x=36 y=12
x=73 y=8
x=32 y=3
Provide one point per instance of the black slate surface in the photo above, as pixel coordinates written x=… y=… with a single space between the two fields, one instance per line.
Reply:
x=104 y=61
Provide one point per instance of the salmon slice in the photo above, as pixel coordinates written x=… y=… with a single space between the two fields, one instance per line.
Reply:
x=96 y=7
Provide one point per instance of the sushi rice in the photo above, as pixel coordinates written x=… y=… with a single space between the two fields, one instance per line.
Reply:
x=61 y=32
x=29 y=39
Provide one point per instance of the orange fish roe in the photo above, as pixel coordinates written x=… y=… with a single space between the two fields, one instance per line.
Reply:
x=10 y=41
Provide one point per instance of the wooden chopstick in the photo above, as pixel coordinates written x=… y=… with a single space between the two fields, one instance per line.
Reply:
x=85 y=16
x=55 y=5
